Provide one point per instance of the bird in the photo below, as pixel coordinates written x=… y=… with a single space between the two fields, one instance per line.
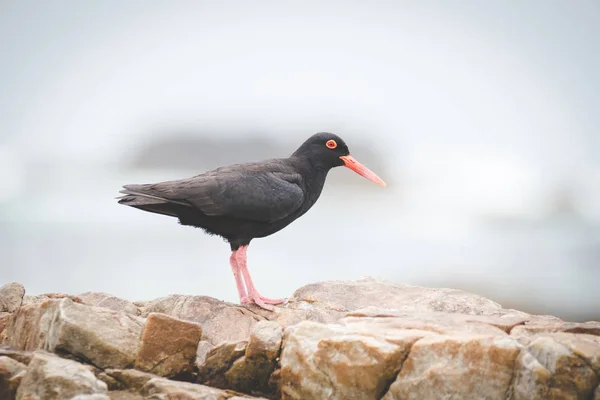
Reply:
x=242 y=202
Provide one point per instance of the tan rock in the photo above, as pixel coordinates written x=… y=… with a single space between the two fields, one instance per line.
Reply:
x=4 y=318
x=108 y=339
x=168 y=346
x=24 y=357
x=342 y=361
x=442 y=322
x=161 y=388
x=435 y=322
x=91 y=397
x=251 y=373
x=465 y=367
x=557 y=366
x=344 y=296
x=202 y=352
x=130 y=378
x=11 y=373
x=97 y=299
x=23 y=331
x=537 y=325
x=265 y=340
x=11 y=296
x=220 y=321
x=49 y=377
x=27 y=300
x=126 y=395
x=218 y=361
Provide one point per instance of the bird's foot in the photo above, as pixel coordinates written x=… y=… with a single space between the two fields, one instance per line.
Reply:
x=263 y=302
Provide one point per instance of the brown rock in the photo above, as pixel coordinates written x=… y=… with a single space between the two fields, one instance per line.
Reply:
x=558 y=366
x=97 y=299
x=251 y=373
x=344 y=296
x=108 y=339
x=96 y=396
x=265 y=340
x=168 y=346
x=218 y=361
x=161 y=388
x=49 y=377
x=11 y=373
x=11 y=296
x=130 y=378
x=342 y=361
x=220 y=321
x=465 y=367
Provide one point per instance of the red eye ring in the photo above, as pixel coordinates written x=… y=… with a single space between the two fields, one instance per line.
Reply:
x=331 y=144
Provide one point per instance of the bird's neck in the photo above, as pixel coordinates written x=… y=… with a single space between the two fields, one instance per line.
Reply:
x=314 y=175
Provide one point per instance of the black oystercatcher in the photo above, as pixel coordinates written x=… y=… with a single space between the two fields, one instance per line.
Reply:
x=246 y=201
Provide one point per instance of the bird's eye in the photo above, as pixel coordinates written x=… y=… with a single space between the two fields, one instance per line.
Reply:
x=331 y=144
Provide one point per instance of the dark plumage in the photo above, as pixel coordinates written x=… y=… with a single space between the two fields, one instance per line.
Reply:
x=246 y=201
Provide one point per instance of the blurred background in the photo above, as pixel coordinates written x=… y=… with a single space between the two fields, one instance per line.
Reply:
x=482 y=117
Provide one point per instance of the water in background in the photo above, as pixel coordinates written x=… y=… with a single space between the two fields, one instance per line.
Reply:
x=482 y=120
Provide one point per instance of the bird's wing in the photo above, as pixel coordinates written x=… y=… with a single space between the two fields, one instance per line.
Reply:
x=251 y=195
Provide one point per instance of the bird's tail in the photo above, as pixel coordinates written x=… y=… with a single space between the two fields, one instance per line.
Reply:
x=134 y=197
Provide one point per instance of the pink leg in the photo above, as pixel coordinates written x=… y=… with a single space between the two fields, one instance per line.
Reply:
x=236 y=274
x=253 y=295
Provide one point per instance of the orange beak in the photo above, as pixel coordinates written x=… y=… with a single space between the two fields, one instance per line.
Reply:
x=360 y=169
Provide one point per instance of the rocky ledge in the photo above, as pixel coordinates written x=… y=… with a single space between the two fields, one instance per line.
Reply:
x=364 y=339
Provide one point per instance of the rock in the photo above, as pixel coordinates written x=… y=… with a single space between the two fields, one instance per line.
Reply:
x=335 y=361
x=251 y=372
x=202 y=352
x=106 y=338
x=23 y=331
x=220 y=321
x=536 y=325
x=91 y=397
x=27 y=300
x=24 y=357
x=244 y=366
x=161 y=388
x=11 y=373
x=344 y=296
x=435 y=322
x=218 y=361
x=466 y=367
x=130 y=378
x=49 y=377
x=444 y=323
x=125 y=395
x=558 y=366
x=11 y=296
x=168 y=346
x=97 y=299
x=265 y=341
x=4 y=318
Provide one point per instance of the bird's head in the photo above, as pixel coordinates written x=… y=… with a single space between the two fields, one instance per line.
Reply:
x=328 y=150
